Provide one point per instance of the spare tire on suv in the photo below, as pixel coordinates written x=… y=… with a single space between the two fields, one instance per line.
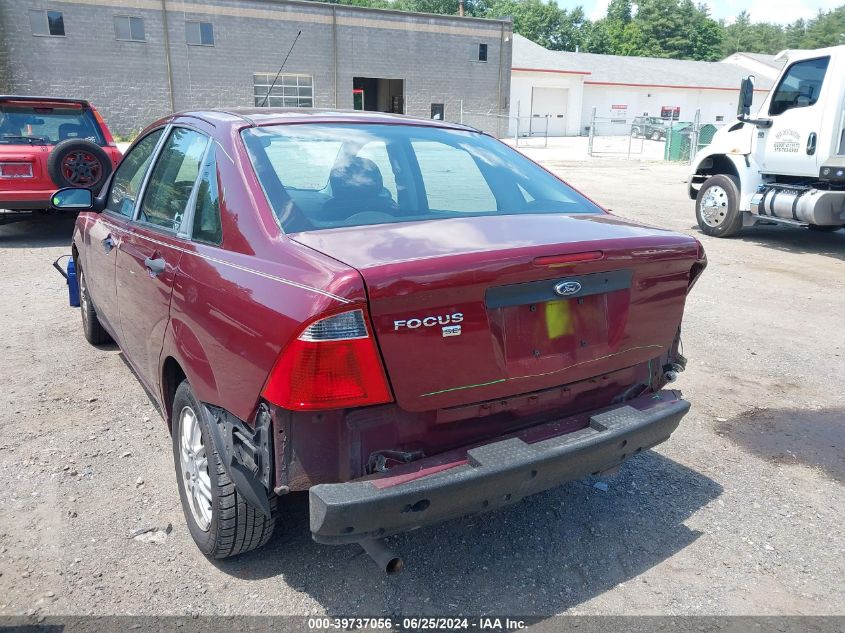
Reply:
x=78 y=163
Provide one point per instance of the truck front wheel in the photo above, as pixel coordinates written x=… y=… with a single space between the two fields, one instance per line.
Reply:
x=717 y=206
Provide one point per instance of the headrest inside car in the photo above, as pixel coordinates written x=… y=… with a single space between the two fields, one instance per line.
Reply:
x=354 y=175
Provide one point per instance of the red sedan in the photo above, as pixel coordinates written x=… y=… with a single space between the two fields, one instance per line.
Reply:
x=406 y=318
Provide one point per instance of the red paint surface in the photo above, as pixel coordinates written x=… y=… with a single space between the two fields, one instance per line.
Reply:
x=224 y=314
x=40 y=187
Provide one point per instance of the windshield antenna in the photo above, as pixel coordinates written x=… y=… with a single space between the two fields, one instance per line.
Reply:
x=272 y=85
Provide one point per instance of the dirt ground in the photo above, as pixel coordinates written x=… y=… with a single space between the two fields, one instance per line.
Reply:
x=739 y=513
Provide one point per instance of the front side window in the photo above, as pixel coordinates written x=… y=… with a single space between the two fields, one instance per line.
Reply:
x=288 y=91
x=129 y=28
x=800 y=86
x=49 y=23
x=207 y=226
x=129 y=175
x=199 y=33
x=172 y=179
x=320 y=176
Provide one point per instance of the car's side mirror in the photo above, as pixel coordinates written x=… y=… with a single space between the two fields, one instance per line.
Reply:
x=75 y=198
x=746 y=96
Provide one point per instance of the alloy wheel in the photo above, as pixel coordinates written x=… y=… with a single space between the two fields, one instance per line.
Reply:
x=194 y=460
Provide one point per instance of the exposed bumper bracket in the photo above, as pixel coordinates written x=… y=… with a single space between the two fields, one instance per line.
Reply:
x=493 y=475
x=247 y=454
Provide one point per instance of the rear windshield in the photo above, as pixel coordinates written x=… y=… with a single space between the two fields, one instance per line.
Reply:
x=319 y=176
x=49 y=125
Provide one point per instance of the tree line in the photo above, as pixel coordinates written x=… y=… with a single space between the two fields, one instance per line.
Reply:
x=678 y=29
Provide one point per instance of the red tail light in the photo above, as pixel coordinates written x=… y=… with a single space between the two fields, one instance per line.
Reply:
x=332 y=364
x=109 y=139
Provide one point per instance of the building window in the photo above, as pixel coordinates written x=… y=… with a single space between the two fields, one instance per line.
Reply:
x=129 y=29
x=482 y=52
x=289 y=91
x=438 y=111
x=48 y=23
x=719 y=119
x=199 y=33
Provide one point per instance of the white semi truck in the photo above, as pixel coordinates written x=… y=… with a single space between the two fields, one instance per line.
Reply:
x=786 y=164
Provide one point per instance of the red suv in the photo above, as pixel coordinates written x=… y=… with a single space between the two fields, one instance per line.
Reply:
x=406 y=318
x=47 y=143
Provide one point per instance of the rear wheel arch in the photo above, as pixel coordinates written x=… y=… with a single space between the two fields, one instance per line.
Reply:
x=172 y=376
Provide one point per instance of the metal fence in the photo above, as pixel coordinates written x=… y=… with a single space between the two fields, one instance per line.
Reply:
x=649 y=138
x=525 y=131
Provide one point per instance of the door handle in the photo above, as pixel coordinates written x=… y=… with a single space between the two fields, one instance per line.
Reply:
x=811 y=144
x=108 y=243
x=155 y=266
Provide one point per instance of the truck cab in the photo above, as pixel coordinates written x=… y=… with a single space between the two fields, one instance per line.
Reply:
x=786 y=163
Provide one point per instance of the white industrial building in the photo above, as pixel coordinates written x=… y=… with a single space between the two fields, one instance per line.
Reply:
x=757 y=64
x=564 y=87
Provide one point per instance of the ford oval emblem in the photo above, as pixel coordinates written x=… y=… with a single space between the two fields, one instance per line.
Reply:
x=567 y=288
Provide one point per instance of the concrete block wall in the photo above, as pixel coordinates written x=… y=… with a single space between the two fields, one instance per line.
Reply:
x=435 y=56
x=126 y=81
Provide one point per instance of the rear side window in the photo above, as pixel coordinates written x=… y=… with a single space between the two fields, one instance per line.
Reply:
x=172 y=179
x=47 y=124
x=321 y=176
x=800 y=86
x=127 y=180
x=207 y=213
x=441 y=167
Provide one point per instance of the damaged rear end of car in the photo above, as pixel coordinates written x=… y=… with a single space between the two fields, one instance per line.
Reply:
x=514 y=335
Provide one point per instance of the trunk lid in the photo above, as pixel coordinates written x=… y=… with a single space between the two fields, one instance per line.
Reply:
x=466 y=310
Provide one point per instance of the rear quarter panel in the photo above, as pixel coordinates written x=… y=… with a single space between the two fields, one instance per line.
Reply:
x=235 y=306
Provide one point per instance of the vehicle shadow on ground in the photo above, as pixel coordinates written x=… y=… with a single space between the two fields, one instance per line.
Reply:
x=40 y=231
x=542 y=556
x=813 y=437
x=795 y=240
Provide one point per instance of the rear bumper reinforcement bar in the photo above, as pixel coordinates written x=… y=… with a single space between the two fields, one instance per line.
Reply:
x=492 y=475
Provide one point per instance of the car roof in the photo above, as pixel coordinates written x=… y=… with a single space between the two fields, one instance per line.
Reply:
x=33 y=99
x=279 y=116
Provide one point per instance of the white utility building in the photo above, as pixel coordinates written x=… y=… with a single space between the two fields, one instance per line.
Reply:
x=564 y=87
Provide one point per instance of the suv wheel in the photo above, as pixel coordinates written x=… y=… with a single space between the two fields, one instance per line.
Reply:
x=655 y=136
x=635 y=132
x=717 y=206
x=220 y=521
x=94 y=331
x=79 y=163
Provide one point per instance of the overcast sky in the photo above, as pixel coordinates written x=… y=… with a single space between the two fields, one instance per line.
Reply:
x=782 y=11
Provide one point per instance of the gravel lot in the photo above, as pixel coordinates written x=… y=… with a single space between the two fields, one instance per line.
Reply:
x=740 y=513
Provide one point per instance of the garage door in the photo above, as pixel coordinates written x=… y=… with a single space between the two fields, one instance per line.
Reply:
x=549 y=103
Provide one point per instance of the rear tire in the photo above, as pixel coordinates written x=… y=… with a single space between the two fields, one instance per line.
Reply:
x=94 y=331
x=824 y=228
x=635 y=132
x=717 y=206
x=77 y=162
x=220 y=521
x=655 y=136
